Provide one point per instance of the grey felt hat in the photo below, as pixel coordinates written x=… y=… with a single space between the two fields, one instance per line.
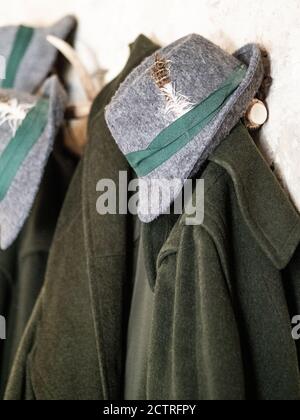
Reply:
x=29 y=57
x=175 y=108
x=28 y=127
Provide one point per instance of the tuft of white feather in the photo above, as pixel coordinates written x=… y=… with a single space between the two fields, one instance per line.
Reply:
x=13 y=113
x=176 y=104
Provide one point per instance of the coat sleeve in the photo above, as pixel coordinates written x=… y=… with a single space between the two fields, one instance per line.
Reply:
x=220 y=362
x=195 y=351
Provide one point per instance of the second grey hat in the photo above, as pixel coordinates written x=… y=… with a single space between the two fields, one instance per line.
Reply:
x=175 y=108
x=27 y=55
x=28 y=128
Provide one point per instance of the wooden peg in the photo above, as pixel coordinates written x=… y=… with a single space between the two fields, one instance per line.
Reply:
x=256 y=114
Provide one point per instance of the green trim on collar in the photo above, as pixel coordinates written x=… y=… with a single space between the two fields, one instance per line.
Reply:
x=19 y=147
x=21 y=43
x=186 y=128
x=266 y=208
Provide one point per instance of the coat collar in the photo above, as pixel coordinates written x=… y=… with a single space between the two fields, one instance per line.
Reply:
x=266 y=208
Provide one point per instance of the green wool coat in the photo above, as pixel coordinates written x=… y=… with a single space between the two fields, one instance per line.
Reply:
x=23 y=265
x=224 y=292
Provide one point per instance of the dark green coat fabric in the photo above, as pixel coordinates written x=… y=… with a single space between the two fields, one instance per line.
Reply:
x=224 y=292
x=75 y=342
x=22 y=267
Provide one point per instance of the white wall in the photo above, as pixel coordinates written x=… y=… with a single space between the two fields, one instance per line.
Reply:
x=106 y=27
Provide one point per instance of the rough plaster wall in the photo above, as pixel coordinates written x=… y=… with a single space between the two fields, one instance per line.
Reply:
x=106 y=27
